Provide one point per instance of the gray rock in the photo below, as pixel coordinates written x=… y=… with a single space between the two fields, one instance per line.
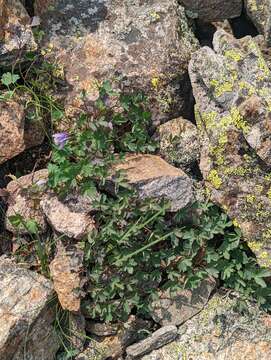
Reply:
x=177 y=308
x=213 y=10
x=139 y=46
x=158 y=339
x=15 y=32
x=232 y=88
x=220 y=332
x=26 y=314
x=153 y=177
x=259 y=12
x=179 y=143
x=77 y=332
x=101 y=329
x=114 y=345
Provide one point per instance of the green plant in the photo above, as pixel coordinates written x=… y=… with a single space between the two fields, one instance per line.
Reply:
x=42 y=249
x=138 y=247
x=35 y=86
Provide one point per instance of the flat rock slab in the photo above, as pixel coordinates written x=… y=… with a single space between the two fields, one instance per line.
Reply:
x=153 y=177
x=158 y=339
x=139 y=46
x=178 y=308
x=213 y=10
x=26 y=330
x=219 y=332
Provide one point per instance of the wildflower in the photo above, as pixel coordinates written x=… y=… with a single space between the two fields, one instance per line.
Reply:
x=60 y=139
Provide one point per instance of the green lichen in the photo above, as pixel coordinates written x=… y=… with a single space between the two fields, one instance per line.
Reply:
x=214 y=179
x=221 y=88
x=233 y=55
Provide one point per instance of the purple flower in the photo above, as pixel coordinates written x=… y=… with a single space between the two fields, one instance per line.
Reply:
x=60 y=139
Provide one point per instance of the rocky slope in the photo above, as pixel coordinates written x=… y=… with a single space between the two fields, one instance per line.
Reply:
x=209 y=116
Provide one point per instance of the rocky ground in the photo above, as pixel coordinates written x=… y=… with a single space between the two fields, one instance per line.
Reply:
x=135 y=175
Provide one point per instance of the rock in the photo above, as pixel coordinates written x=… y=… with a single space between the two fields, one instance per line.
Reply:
x=77 y=333
x=41 y=6
x=178 y=308
x=12 y=130
x=66 y=273
x=153 y=177
x=220 y=332
x=136 y=45
x=259 y=11
x=213 y=10
x=15 y=32
x=67 y=217
x=113 y=346
x=27 y=315
x=16 y=134
x=24 y=200
x=101 y=329
x=178 y=143
x=232 y=88
x=158 y=339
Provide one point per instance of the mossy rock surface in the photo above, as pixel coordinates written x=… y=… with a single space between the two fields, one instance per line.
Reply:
x=232 y=88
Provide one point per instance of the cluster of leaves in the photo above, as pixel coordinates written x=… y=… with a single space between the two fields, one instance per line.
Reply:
x=138 y=247
x=85 y=161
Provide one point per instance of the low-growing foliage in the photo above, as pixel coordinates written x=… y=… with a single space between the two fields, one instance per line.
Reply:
x=138 y=247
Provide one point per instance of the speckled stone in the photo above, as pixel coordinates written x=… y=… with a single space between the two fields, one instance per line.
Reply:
x=213 y=10
x=220 y=332
x=232 y=88
x=27 y=318
x=140 y=46
x=15 y=32
x=259 y=12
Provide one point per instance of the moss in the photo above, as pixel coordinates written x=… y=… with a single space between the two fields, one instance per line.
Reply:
x=214 y=179
x=269 y=194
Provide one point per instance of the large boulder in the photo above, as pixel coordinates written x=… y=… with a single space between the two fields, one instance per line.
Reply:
x=16 y=132
x=27 y=316
x=15 y=31
x=139 y=46
x=220 y=332
x=259 y=12
x=232 y=88
x=154 y=178
x=213 y=10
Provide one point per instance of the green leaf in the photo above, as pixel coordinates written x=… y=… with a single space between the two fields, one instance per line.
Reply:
x=9 y=78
